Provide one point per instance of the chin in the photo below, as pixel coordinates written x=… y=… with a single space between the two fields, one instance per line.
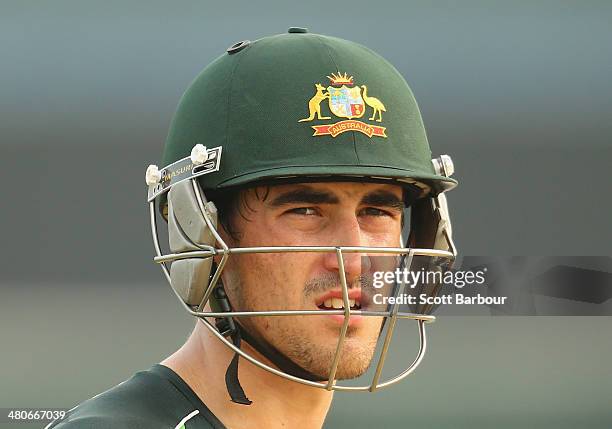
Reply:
x=353 y=370
x=355 y=359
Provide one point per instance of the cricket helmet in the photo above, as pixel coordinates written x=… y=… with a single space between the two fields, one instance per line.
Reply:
x=294 y=107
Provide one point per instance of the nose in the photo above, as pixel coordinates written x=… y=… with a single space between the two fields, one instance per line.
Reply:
x=348 y=233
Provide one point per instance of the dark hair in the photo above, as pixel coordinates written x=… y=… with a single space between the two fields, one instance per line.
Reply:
x=234 y=201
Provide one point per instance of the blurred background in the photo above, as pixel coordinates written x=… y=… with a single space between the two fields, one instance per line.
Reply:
x=517 y=92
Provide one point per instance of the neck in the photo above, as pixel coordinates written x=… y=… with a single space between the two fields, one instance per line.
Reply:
x=202 y=362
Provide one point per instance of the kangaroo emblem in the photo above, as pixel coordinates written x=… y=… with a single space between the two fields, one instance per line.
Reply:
x=314 y=105
x=374 y=103
x=347 y=103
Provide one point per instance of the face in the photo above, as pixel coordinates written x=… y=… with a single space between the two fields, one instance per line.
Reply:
x=317 y=214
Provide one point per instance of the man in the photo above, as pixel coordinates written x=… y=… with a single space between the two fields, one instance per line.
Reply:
x=314 y=149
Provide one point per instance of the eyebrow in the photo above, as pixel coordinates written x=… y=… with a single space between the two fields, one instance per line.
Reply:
x=383 y=199
x=304 y=195
x=380 y=198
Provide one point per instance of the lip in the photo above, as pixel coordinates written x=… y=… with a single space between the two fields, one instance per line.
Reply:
x=337 y=293
x=338 y=319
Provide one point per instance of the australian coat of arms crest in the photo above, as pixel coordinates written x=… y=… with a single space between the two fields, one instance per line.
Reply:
x=348 y=101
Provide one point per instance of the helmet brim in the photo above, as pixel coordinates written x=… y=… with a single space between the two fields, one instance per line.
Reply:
x=436 y=183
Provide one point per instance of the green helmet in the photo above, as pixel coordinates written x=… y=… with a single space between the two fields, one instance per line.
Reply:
x=302 y=104
x=292 y=107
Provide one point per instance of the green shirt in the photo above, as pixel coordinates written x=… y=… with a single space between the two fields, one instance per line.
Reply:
x=154 y=399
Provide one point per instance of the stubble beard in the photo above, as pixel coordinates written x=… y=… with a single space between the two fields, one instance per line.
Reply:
x=293 y=335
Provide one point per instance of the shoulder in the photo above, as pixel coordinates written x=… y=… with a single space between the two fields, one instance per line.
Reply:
x=150 y=399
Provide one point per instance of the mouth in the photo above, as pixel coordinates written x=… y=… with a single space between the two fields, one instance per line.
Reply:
x=332 y=300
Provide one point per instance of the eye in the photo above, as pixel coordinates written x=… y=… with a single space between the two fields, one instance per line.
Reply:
x=373 y=211
x=303 y=211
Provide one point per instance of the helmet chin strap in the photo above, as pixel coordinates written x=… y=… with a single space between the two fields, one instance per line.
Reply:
x=232 y=382
x=227 y=326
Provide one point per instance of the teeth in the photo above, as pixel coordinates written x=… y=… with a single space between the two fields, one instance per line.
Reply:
x=339 y=304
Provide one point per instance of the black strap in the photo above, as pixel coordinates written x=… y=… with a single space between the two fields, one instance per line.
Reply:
x=231 y=376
